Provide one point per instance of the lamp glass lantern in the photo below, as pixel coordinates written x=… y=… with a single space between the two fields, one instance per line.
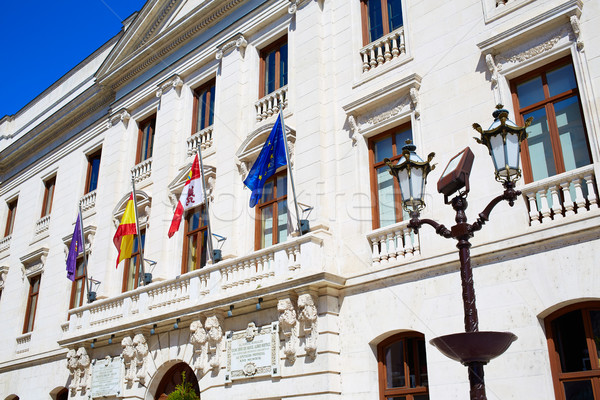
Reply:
x=503 y=140
x=411 y=173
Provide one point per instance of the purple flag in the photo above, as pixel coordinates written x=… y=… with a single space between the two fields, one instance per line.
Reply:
x=74 y=249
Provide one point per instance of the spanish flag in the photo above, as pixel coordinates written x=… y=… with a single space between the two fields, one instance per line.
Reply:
x=123 y=239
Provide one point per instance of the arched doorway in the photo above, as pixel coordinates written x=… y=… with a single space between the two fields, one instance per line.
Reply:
x=173 y=378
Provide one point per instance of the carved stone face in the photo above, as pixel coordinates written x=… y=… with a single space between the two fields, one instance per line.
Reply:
x=215 y=333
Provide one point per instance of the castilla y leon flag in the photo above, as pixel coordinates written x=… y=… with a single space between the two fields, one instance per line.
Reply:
x=191 y=196
x=123 y=238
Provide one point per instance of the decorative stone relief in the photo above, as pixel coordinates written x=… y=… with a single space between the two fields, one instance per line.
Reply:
x=294 y=5
x=120 y=116
x=519 y=56
x=378 y=116
x=238 y=41
x=78 y=364
x=288 y=325
x=243 y=167
x=214 y=331
x=355 y=129
x=414 y=98
x=134 y=357
x=493 y=68
x=199 y=339
x=33 y=263
x=175 y=82
x=577 y=31
x=3 y=275
x=308 y=323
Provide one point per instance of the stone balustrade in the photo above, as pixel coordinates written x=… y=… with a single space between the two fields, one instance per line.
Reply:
x=88 y=201
x=383 y=50
x=204 y=138
x=42 y=225
x=561 y=196
x=271 y=103
x=142 y=170
x=276 y=264
x=393 y=243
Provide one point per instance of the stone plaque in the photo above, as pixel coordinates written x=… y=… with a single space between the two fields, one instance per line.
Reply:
x=106 y=377
x=253 y=352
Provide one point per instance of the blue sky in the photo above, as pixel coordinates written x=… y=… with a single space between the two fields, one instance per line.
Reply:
x=41 y=41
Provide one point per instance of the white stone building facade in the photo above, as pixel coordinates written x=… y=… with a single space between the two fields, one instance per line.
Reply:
x=346 y=310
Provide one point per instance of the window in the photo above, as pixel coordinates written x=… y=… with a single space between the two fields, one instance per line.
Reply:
x=78 y=287
x=573 y=343
x=557 y=139
x=273 y=67
x=133 y=266
x=10 y=219
x=402 y=368
x=195 y=245
x=91 y=182
x=48 y=195
x=145 y=139
x=385 y=192
x=204 y=107
x=271 y=212
x=380 y=17
x=32 y=300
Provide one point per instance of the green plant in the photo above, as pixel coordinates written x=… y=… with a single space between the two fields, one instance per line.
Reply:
x=183 y=391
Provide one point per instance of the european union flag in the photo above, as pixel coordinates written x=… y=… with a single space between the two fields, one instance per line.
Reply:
x=271 y=157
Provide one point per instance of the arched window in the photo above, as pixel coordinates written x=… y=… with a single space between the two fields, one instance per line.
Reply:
x=403 y=367
x=574 y=342
x=173 y=377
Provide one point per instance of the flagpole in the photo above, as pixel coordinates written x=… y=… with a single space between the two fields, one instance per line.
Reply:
x=289 y=168
x=139 y=233
x=88 y=285
x=209 y=241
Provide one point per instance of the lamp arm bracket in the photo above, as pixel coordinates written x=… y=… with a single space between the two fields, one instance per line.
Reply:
x=416 y=223
x=510 y=195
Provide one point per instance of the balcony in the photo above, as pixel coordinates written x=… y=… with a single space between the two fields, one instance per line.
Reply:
x=204 y=139
x=271 y=104
x=142 y=170
x=4 y=244
x=393 y=243
x=215 y=284
x=42 y=225
x=88 y=201
x=561 y=196
x=383 y=50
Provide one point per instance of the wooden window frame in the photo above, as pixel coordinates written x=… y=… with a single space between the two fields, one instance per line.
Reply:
x=397 y=151
x=150 y=121
x=29 y=312
x=199 y=247
x=275 y=46
x=548 y=105
x=558 y=377
x=49 y=187
x=10 y=218
x=127 y=264
x=384 y=392
x=74 y=286
x=211 y=95
x=261 y=205
x=90 y=170
x=364 y=11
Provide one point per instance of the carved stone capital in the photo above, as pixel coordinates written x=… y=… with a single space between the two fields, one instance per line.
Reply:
x=174 y=82
x=354 y=128
x=238 y=41
x=3 y=275
x=119 y=116
x=414 y=98
x=577 y=31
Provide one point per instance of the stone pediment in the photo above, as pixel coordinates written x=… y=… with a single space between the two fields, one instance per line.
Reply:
x=161 y=27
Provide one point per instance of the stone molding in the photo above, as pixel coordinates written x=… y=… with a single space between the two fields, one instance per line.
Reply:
x=33 y=263
x=238 y=41
x=174 y=82
x=79 y=366
x=119 y=116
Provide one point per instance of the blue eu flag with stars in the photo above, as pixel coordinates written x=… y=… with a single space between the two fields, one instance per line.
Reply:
x=271 y=157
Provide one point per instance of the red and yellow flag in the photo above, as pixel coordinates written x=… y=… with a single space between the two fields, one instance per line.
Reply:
x=123 y=238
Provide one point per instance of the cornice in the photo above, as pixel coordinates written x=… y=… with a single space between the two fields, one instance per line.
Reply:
x=162 y=46
x=157 y=22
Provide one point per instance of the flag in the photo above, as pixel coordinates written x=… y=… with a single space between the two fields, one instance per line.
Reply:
x=123 y=238
x=74 y=250
x=191 y=196
x=271 y=157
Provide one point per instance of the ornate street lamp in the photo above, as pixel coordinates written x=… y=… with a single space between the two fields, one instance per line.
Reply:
x=472 y=348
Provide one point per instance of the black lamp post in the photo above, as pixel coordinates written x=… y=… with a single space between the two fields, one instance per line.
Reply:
x=503 y=139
